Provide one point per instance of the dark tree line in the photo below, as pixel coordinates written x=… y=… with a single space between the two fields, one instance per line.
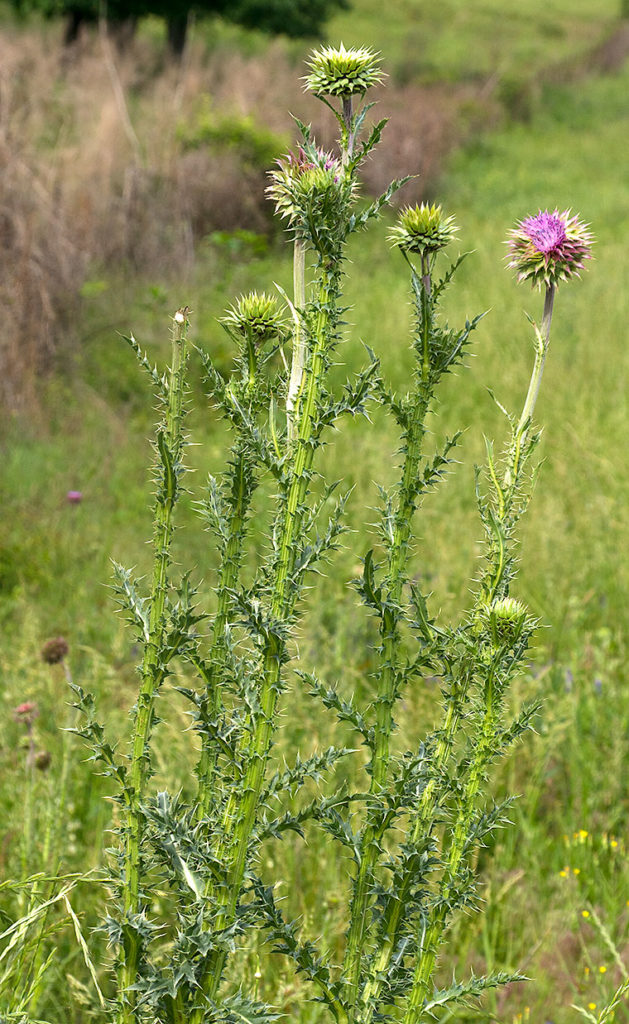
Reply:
x=295 y=18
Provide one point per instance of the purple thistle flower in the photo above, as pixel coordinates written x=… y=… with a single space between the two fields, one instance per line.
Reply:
x=549 y=248
x=74 y=497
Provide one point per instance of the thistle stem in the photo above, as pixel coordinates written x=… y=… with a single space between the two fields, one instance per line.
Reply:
x=215 y=662
x=350 y=134
x=431 y=940
x=540 y=359
x=389 y=674
x=152 y=675
x=422 y=825
x=524 y=423
x=242 y=806
x=299 y=337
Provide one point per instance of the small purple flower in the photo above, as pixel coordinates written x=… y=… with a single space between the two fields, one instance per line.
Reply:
x=549 y=247
x=74 y=497
x=26 y=712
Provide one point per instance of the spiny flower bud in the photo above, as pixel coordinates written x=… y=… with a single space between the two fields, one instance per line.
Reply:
x=256 y=313
x=507 y=618
x=301 y=177
x=423 y=229
x=335 y=71
x=54 y=650
x=549 y=248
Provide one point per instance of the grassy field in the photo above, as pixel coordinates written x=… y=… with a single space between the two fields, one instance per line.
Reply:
x=456 y=40
x=565 y=859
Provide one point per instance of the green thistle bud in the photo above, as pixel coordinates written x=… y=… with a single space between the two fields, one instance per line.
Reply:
x=256 y=314
x=335 y=71
x=507 y=618
x=423 y=229
x=311 y=188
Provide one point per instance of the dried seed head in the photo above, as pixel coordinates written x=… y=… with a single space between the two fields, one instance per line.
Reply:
x=43 y=760
x=54 y=650
x=507 y=618
x=255 y=313
x=549 y=248
x=335 y=71
x=423 y=229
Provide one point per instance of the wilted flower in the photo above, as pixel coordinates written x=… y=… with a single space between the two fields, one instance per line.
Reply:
x=256 y=312
x=549 y=247
x=43 y=759
x=54 y=650
x=423 y=229
x=74 y=497
x=335 y=71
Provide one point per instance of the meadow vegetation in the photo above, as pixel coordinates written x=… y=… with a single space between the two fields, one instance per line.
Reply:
x=112 y=229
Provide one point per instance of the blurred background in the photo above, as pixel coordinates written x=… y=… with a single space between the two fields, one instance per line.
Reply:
x=134 y=152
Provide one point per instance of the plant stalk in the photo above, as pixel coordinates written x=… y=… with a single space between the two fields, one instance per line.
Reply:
x=540 y=359
x=151 y=675
x=215 y=662
x=398 y=553
x=242 y=806
x=299 y=335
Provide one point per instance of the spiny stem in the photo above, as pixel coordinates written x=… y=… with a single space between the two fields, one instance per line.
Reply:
x=423 y=825
x=215 y=661
x=242 y=806
x=350 y=135
x=151 y=676
x=398 y=552
x=427 y=955
x=299 y=337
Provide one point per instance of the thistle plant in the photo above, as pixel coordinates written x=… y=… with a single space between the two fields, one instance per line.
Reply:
x=411 y=832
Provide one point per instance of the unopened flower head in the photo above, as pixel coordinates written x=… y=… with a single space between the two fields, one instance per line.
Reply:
x=549 y=247
x=335 y=71
x=256 y=313
x=423 y=229
x=304 y=179
x=507 y=618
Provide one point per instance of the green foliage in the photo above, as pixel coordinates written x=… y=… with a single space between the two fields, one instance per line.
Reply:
x=411 y=836
x=255 y=145
x=294 y=18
